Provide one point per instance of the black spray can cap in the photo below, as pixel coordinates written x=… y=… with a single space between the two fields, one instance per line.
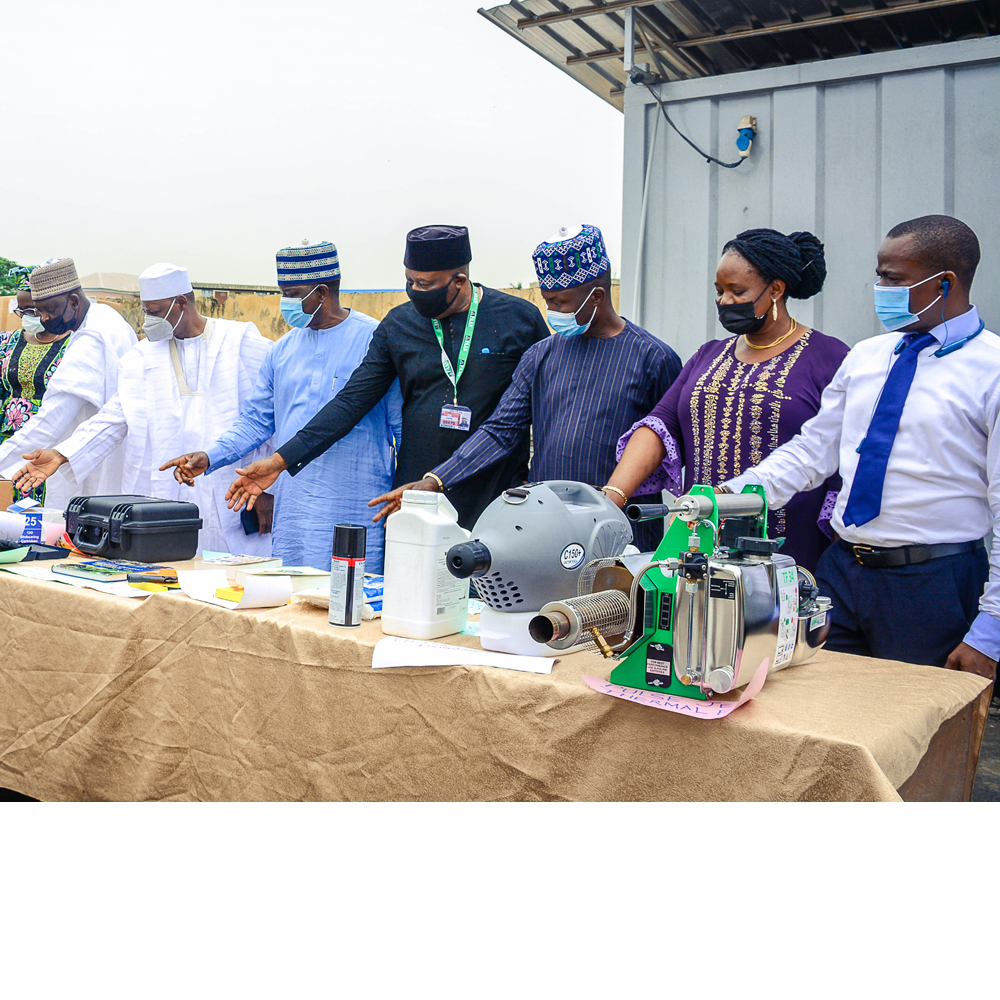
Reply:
x=349 y=541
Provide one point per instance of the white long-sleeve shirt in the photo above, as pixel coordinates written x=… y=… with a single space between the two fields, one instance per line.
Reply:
x=161 y=411
x=942 y=483
x=87 y=377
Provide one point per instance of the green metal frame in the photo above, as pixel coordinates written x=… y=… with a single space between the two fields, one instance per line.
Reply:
x=661 y=596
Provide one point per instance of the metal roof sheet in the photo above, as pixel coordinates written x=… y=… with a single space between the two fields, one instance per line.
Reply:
x=683 y=39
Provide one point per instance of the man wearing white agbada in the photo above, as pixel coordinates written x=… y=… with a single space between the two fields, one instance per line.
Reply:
x=187 y=379
x=87 y=377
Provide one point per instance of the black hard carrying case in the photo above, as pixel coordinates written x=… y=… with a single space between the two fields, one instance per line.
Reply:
x=141 y=529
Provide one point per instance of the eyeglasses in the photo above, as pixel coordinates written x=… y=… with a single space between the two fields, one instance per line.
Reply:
x=26 y=312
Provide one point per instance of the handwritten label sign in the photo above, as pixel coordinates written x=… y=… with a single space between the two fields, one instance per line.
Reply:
x=682 y=706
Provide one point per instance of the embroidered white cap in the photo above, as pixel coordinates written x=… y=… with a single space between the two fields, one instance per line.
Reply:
x=163 y=281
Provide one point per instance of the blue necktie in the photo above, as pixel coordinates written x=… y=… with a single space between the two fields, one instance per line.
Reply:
x=865 y=500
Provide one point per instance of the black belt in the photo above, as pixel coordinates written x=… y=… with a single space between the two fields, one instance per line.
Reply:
x=908 y=555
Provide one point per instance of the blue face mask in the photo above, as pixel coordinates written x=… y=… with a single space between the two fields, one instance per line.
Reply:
x=565 y=324
x=293 y=313
x=892 y=304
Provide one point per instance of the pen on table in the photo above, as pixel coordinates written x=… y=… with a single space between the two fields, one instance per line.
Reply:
x=151 y=578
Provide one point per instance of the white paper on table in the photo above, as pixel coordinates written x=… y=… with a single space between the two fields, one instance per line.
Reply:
x=117 y=589
x=258 y=591
x=11 y=527
x=393 y=651
x=33 y=572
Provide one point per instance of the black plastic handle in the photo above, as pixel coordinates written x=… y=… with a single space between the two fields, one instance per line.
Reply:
x=89 y=547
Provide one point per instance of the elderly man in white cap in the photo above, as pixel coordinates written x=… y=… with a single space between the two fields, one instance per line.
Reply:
x=187 y=380
x=87 y=377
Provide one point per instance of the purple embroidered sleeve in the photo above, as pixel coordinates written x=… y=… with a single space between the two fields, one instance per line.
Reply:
x=669 y=475
x=826 y=512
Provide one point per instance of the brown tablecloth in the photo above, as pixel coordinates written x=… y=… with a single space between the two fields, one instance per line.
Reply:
x=166 y=698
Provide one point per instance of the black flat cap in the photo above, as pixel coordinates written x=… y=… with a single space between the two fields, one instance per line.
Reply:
x=437 y=248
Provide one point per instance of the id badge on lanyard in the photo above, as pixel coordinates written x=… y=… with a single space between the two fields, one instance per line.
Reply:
x=453 y=416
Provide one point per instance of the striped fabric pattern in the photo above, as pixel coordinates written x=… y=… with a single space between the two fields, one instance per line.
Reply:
x=579 y=395
x=311 y=262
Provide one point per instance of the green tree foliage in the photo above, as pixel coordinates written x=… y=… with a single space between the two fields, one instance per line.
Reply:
x=8 y=284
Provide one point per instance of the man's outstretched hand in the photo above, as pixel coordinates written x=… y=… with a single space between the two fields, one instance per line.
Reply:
x=42 y=462
x=253 y=480
x=394 y=500
x=194 y=463
x=968 y=658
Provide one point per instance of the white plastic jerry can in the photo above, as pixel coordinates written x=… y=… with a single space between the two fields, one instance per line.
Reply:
x=422 y=600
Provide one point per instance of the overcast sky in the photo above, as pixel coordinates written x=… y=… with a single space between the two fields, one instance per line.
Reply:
x=210 y=134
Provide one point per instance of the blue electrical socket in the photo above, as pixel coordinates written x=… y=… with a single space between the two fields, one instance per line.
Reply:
x=747 y=131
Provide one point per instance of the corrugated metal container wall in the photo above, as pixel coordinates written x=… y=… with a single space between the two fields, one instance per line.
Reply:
x=845 y=149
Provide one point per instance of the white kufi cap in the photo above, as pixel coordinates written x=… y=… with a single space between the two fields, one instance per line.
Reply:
x=163 y=281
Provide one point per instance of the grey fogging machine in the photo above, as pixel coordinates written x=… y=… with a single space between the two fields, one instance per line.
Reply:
x=530 y=545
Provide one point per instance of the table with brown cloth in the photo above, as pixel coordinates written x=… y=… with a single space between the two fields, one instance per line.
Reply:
x=104 y=698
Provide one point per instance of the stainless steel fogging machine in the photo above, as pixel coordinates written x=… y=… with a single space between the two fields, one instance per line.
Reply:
x=715 y=601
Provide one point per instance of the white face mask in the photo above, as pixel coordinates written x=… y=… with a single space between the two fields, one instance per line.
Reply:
x=158 y=328
x=32 y=325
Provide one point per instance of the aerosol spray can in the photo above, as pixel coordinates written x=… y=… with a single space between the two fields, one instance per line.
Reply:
x=347 y=575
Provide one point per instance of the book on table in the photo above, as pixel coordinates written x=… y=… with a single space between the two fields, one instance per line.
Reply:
x=233 y=562
x=107 y=570
x=302 y=577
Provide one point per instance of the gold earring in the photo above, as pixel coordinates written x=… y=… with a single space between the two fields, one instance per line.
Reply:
x=774 y=309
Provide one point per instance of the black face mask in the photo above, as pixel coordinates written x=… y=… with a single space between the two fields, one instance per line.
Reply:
x=741 y=317
x=431 y=303
x=58 y=326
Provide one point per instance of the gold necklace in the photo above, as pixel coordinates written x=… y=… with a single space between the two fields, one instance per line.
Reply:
x=774 y=343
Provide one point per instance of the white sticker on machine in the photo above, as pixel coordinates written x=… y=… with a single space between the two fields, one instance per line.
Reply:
x=788 y=623
x=817 y=621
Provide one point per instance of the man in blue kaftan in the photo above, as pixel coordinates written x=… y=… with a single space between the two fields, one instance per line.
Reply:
x=305 y=370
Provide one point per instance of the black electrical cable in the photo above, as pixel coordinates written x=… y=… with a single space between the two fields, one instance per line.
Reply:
x=708 y=158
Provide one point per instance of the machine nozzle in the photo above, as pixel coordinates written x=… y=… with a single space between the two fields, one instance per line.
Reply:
x=548 y=627
x=468 y=559
x=636 y=512
x=695 y=507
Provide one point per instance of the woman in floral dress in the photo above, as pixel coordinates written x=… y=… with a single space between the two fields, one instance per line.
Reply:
x=29 y=357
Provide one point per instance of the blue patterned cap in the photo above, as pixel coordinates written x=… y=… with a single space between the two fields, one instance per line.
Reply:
x=308 y=262
x=574 y=257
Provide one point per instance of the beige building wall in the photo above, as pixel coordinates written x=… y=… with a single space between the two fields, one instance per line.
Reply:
x=128 y=307
x=264 y=310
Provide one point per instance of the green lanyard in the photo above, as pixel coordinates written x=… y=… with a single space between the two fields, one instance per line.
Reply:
x=463 y=354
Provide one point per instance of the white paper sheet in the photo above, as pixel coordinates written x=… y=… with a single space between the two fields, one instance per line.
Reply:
x=35 y=572
x=393 y=651
x=258 y=592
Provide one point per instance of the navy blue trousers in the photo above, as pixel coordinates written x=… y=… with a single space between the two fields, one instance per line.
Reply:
x=916 y=614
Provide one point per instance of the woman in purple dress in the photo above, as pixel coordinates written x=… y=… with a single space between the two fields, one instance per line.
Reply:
x=738 y=399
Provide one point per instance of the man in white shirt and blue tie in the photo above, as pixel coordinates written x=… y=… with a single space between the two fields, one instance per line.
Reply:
x=910 y=421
